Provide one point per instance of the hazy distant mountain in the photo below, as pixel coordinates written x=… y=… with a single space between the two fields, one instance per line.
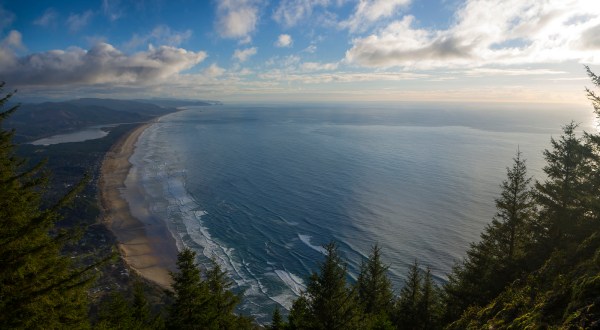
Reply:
x=34 y=121
x=181 y=103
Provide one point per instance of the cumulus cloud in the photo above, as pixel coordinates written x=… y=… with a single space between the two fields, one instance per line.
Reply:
x=161 y=35
x=284 y=40
x=236 y=19
x=102 y=64
x=76 y=22
x=290 y=12
x=47 y=19
x=369 y=11
x=214 y=71
x=243 y=54
x=14 y=40
x=487 y=32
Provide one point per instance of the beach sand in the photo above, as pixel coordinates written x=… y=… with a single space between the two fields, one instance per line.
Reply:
x=148 y=248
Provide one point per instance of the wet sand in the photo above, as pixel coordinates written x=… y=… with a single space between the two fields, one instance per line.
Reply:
x=147 y=247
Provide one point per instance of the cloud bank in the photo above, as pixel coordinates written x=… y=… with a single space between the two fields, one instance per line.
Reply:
x=102 y=64
x=488 y=32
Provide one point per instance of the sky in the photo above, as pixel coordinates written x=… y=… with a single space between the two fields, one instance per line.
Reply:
x=302 y=50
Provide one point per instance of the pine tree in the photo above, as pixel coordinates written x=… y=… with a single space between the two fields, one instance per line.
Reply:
x=116 y=313
x=429 y=305
x=191 y=309
x=374 y=287
x=141 y=308
x=562 y=209
x=406 y=314
x=277 y=322
x=333 y=304
x=515 y=209
x=39 y=287
x=499 y=257
x=222 y=300
x=328 y=302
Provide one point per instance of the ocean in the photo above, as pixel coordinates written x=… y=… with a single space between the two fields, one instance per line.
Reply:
x=260 y=188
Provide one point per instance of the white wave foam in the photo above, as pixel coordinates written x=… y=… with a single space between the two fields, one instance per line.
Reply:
x=295 y=283
x=306 y=240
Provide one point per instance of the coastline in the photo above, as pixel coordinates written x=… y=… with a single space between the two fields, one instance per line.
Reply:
x=150 y=252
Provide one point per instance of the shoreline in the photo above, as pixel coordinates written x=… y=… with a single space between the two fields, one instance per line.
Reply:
x=147 y=247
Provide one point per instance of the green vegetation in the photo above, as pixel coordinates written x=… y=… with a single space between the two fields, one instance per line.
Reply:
x=39 y=287
x=537 y=264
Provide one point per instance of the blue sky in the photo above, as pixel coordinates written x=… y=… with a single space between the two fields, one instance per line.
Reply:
x=302 y=50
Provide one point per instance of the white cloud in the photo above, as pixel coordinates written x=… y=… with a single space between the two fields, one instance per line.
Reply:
x=214 y=70
x=102 y=64
x=315 y=66
x=310 y=49
x=488 y=32
x=14 y=40
x=243 y=54
x=284 y=40
x=76 y=22
x=47 y=19
x=290 y=12
x=236 y=19
x=161 y=35
x=369 y=11
x=111 y=9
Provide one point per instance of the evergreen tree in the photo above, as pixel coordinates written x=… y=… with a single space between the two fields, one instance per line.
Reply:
x=429 y=305
x=141 y=308
x=299 y=317
x=406 y=314
x=222 y=300
x=39 y=287
x=277 y=322
x=562 y=210
x=328 y=302
x=509 y=229
x=191 y=309
x=374 y=287
x=116 y=313
x=499 y=257
x=592 y=141
x=332 y=303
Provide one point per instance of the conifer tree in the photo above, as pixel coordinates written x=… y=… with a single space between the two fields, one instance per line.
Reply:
x=299 y=317
x=509 y=229
x=406 y=314
x=277 y=322
x=222 y=300
x=116 y=313
x=141 y=308
x=429 y=305
x=329 y=303
x=191 y=309
x=374 y=287
x=498 y=258
x=39 y=287
x=562 y=210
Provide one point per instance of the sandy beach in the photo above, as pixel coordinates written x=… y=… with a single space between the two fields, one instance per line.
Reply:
x=148 y=248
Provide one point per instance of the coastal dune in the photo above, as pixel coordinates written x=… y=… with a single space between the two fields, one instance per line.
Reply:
x=147 y=247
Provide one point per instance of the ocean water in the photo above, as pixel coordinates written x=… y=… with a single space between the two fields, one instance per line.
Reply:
x=88 y=133
x=261 y=188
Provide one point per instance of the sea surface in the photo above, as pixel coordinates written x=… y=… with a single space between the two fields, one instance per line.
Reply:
x=261 y=188
x=88 y=133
